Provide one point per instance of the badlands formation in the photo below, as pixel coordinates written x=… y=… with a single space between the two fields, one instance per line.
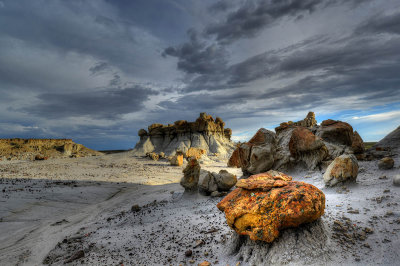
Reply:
x=307 y=193
x=205 y=133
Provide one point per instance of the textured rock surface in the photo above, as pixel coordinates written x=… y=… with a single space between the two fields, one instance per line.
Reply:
x=266 y=203
x=205 y=133
x=191 y=175
x=343 y=168
x=27 y=149
x=386 y=163
x=302 y=144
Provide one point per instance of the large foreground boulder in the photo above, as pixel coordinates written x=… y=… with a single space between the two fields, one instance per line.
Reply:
x=343 y=168
x=264 y=204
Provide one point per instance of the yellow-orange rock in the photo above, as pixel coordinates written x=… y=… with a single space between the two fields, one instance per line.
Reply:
x=266 y=203
x=195 y=152
x=177 y=160
x=204 y=263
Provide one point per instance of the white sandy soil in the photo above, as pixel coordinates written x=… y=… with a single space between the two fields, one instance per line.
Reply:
x=79 y=210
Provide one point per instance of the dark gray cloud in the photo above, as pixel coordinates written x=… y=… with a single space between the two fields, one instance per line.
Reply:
x=101 y=104
x=382 y=24
x=98 y=68
x=197 y=57
x=254 y=16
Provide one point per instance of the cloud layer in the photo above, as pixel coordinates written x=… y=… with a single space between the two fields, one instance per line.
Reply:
x=97 y=71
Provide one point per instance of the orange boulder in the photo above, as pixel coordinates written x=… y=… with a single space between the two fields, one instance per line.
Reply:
x=266 y=203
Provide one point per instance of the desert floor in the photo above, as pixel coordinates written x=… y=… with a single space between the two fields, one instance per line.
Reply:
x=79 y=210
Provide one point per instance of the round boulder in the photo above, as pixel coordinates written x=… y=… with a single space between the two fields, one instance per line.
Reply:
x=343 y=168
x=225 y=180
x=386 y=163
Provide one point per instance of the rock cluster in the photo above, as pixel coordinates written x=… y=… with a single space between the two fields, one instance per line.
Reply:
x=195 y=179
x=206 y=133
x=294 y=144
x=34 y=149
x=266 y=203
x=210 y=182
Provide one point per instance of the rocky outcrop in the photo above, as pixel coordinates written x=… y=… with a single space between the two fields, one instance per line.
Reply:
x=386 y=163
x=210 y=182
x=343 y=168
x=204 y=134
x=28 y=149
x=297 y=144
x=267 y=203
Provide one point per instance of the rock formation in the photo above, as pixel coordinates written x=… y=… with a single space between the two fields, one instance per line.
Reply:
x=205 y=133
x=28 y=149
x=302 y=143
x=266 y=203
x=343 y=168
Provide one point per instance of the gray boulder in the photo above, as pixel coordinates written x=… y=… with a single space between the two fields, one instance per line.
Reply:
x=225 y=180
x=386 y=163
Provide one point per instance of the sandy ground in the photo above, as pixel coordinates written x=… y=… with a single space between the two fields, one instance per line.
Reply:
x=79 y=210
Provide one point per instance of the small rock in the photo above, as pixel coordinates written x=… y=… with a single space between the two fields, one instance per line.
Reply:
x=396 y=180
x=204 y=263
x=383 y=177
x=135 y=208
x=386 y=163
x=188 y=253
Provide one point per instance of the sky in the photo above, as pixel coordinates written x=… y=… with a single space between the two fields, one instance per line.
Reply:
x=97 y=71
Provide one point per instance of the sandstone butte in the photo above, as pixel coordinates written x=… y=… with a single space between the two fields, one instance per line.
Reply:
x=267 y=203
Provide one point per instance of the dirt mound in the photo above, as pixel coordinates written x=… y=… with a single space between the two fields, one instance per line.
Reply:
x=388 y=146
x=29 y=149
